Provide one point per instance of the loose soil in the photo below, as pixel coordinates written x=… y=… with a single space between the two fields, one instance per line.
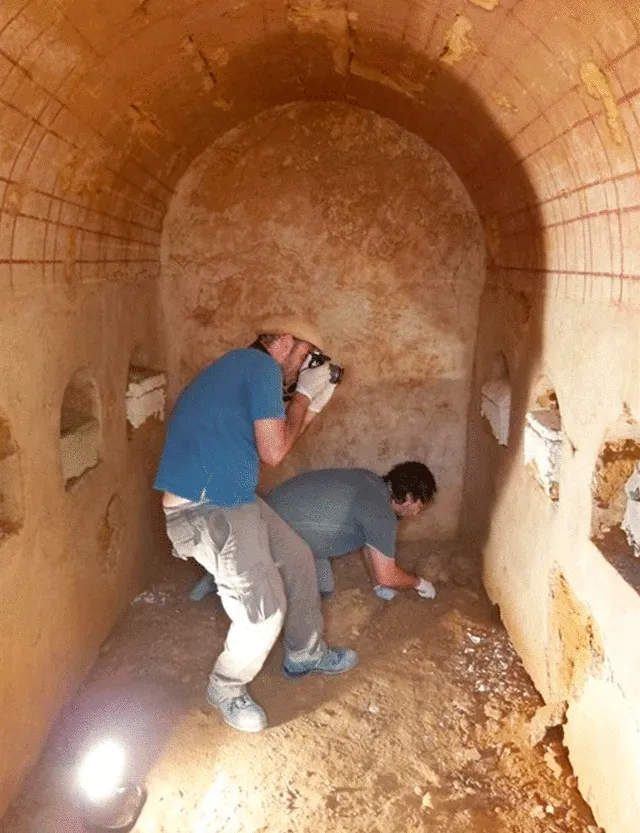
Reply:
x=438 y=729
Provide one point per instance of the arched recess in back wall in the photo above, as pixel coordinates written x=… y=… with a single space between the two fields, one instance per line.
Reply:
x=327 y=208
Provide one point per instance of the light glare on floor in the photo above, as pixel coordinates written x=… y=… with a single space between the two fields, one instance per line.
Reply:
x=101 y=771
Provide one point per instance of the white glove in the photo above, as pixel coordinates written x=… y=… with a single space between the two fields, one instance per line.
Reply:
x=384 y=593
x=425 y=589
x=320 y=400
x=313 y=380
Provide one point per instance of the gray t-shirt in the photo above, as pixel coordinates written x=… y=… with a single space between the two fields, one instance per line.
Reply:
x=338 y=510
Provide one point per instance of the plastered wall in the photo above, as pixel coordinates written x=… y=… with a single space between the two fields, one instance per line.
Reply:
x=77 y=554
x=103 y=107
x=330 y=210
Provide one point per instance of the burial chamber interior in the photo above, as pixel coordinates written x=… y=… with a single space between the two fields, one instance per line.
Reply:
x=450 y=187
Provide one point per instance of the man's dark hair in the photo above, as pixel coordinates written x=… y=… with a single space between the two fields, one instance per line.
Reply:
x=413 y=480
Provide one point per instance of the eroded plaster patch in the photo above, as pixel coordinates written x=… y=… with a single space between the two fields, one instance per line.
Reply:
x=145 y=396
x=457 y=41
x=504 y=103
x=487 y=5
x=200 y=64
x=492 y=236
x=543 y=448
x=335 y=23
x=398 y=83
x=597 y=86
x=579 y=652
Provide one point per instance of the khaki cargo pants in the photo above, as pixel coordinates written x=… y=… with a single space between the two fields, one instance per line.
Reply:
x=265 y=575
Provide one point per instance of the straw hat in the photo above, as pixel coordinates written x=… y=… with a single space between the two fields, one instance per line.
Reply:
x=295 y=325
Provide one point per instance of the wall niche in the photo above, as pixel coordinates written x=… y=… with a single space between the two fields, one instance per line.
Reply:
x=543 y=438
x=615 y=500
x=11 y=494
x=495 y=404
x=79 y=427
x=145 y=395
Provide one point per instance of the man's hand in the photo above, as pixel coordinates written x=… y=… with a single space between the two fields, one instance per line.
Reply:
x=320 y=400
x=313 y=380
x=425 y=589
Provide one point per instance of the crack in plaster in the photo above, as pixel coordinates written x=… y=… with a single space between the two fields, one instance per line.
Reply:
x=200 y=64
x=142 y=121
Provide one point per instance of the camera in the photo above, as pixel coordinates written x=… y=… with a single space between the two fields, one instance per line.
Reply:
x=316 y=359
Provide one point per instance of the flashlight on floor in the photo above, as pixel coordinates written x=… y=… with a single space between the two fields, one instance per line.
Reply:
x=104 y=799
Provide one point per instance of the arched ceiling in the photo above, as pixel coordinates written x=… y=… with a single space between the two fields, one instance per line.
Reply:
x=104 y=104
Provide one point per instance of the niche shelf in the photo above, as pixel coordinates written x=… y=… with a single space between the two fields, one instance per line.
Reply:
x=543 y=439
x=145 y=395
x=615 y=500
x=79 y=427
x=11 y=495
x=495 y=403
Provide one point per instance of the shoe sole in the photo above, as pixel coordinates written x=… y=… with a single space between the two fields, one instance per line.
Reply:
x=233 y=726
x=300 y=674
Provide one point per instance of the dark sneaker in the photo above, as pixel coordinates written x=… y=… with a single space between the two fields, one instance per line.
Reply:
x=333 y=661
x=202 y=588
x=242 y=712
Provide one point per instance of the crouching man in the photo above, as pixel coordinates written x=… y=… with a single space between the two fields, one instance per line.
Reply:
x=337 y=511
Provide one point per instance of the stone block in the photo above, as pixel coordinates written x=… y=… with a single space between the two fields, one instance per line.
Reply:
x=145 y=396
x=543 y=448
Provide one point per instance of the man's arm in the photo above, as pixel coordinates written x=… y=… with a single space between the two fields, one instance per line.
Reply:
x=275 y=437
x=386 y=572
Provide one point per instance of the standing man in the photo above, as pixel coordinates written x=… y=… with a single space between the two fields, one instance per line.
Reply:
x=337 y=511
x=227 y=420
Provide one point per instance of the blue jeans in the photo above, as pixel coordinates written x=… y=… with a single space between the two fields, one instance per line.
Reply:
x=326 y=582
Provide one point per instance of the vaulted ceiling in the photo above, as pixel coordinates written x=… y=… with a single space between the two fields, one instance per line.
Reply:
x=104 y=104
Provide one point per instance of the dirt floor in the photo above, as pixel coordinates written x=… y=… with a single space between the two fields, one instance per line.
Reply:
x=436 y=730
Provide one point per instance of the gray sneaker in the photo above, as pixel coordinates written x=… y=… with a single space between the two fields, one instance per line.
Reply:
x=241 y=712
x=333 y=661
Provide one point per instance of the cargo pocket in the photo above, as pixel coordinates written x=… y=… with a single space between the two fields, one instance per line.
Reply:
x=218 y=529
x=255 y=596
x=183 y=534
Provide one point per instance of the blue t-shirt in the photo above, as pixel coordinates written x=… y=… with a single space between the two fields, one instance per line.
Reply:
x=338 y=510
x=210 y=451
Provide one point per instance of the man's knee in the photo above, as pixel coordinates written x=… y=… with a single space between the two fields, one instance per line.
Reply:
x=273 y=624
x=261 y=598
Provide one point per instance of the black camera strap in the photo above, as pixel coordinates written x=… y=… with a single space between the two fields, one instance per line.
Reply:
x=287 y=393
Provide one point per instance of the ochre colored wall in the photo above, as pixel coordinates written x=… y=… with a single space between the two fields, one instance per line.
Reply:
x=331 y=210
x=104 y=106
x=83 y=552
x=571 y=615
